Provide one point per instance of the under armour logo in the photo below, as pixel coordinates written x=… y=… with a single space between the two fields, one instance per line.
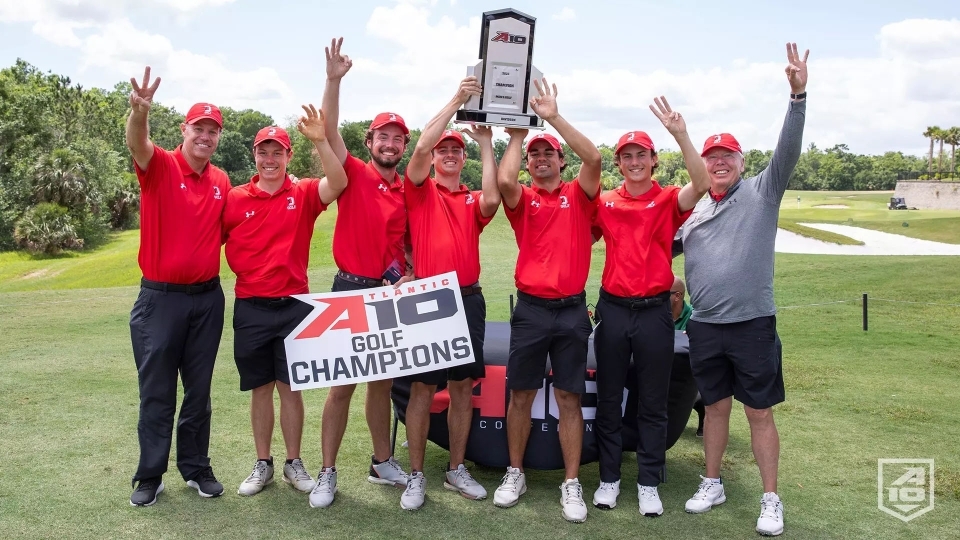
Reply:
x=608 y=204
x=250 y=213
x=382 y=188
x=216 y=193
x=652 y=204
x=207 y=109
x=535 y=203
x=563 y=202
x=291 y=203
x=183 y=186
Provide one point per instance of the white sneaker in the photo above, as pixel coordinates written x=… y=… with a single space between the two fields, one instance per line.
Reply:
x=388 y=473
x=606 y=495
x=325 y=490
x=770 y=522
x=708 y=495
x=461 y=481
x=571 y=498
x=296 y=475
x=414 y=495
x=513 y=485
x=650 y=504
x=261 y=476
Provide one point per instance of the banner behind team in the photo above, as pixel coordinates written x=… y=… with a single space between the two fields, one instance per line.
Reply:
x=382 y=333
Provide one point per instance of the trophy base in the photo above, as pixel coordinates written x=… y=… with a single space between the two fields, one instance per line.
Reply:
x=485 y=118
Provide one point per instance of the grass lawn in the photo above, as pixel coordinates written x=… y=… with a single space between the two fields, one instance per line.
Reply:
x=68 y=420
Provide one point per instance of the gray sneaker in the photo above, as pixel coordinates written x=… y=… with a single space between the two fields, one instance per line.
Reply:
x=146 y=492
x=325 y=490
x=296 y=475
x=388 y=473
x=461 y=481
x=260 y=478
x=414 y=495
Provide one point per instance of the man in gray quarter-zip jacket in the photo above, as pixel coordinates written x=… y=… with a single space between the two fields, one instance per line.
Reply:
x=728 y=244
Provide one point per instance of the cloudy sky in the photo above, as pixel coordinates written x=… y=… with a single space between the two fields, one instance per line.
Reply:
x=878 y=75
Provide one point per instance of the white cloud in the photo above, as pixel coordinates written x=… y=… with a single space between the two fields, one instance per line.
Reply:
x=565 y=14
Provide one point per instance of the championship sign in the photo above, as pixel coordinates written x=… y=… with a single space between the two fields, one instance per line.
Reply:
x=383 y=333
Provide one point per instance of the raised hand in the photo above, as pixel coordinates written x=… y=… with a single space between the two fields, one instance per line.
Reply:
x=670 y=118
x=545 y=105
x=311 y=125
x=516 y=133
x=337 y=64
x=796 y=69
x=480 y=133
x=141 y=98
x=469 y=87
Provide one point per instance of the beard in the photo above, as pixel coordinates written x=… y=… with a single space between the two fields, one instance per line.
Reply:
x=386 y=163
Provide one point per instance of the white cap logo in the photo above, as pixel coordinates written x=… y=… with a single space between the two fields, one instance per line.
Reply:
x=393 y=117
x=272 y=132
x=207 y=109
x=630 y=137
x=716 y=138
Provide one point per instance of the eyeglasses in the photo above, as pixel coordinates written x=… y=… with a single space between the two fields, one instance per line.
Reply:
x=677 y=292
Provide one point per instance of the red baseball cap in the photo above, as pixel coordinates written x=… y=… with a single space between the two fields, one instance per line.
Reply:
x=272 y=133
x=385 y=118
x=635 y=137
x=454 y=135
x=204 y=111
x=550 y=139
x=721 y=140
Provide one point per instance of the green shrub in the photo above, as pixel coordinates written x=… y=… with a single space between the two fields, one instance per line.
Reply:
x=46 y=228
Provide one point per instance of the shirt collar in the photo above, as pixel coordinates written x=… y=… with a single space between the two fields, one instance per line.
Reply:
x=257 y=192
x=185 y=166
x=651 y=193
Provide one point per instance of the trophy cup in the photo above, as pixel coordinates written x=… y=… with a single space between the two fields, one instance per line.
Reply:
x=505 y=72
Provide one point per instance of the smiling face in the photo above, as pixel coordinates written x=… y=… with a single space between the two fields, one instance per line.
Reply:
x=386 y=145
x=200 y=139
x=448 y=158
x=636 y=163
x=271 y=159
x=543 y=161
x=724 y=167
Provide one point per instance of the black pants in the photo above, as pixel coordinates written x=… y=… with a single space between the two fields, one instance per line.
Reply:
x=647 y=336
x=174 y=332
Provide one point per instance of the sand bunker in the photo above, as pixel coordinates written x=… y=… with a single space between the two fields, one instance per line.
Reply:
x=837 y=206
x=874 y=243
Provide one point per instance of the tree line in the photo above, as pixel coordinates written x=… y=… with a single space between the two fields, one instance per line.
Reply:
x=67 y=180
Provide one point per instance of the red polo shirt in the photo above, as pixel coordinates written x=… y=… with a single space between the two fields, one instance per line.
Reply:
x=445 y=229
x=180 y=213
x=371 y=221
x=553 y=234
x=268 y=236
x=639 y=234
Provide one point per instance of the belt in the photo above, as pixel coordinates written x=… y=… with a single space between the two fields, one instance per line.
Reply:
x=636 y=302
x=272 y=303
x=359 y=280
x=470 y=289
x=193 y=288
x=553 y=303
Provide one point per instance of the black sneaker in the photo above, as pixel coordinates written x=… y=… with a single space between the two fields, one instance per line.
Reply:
x=206 y=484
x=146 y=492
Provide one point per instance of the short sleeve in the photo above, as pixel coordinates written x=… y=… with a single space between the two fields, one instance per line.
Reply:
x=518 y=211
x=678 y=218
x=482 y=221
x=311 y=193
x=161 y=163
x=413 y=194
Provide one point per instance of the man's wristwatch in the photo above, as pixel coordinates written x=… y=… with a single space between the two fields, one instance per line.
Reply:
x=801 y=95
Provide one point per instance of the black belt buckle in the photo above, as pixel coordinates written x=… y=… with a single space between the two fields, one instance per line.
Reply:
x=470 y=290
x=359 y=280
x=273 y=303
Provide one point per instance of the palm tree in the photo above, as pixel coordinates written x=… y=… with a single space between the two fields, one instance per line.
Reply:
x=941 y=135
x=930 y=133
x=953 y=139
x=60 y=178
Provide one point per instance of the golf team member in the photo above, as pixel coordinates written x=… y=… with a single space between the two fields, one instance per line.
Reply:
x=446 y=220
x=268 y=225
x=551 y=221
x=638 y=221
x=729 y=251
x=368 y=240
x=177 y=320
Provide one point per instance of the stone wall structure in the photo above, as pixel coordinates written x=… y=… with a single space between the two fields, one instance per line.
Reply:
x=930 y=195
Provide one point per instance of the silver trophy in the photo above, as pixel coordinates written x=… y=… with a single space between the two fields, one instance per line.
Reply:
x=505 y=72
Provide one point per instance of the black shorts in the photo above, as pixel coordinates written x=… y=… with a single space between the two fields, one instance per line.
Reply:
x=560 y=329
x=259 y=328
x=743 y=360
x=475 y=309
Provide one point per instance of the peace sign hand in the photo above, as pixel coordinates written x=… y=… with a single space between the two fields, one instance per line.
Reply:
x=337 y=65
x=796 y=69
x=311 y=125
x=670 y=118
x=545 y=105
x=141 y=97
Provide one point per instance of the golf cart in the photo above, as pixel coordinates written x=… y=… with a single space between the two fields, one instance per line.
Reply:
x=897 y=203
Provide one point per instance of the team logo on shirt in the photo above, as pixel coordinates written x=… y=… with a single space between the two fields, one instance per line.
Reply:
x=652 y=204
x=251 y=213
x=382 y=188
x=608 y=204
x=183 y=186
x=563 y=202
x=216 y=193
x=535 y=203
x=291 y=203
x=469 y=198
